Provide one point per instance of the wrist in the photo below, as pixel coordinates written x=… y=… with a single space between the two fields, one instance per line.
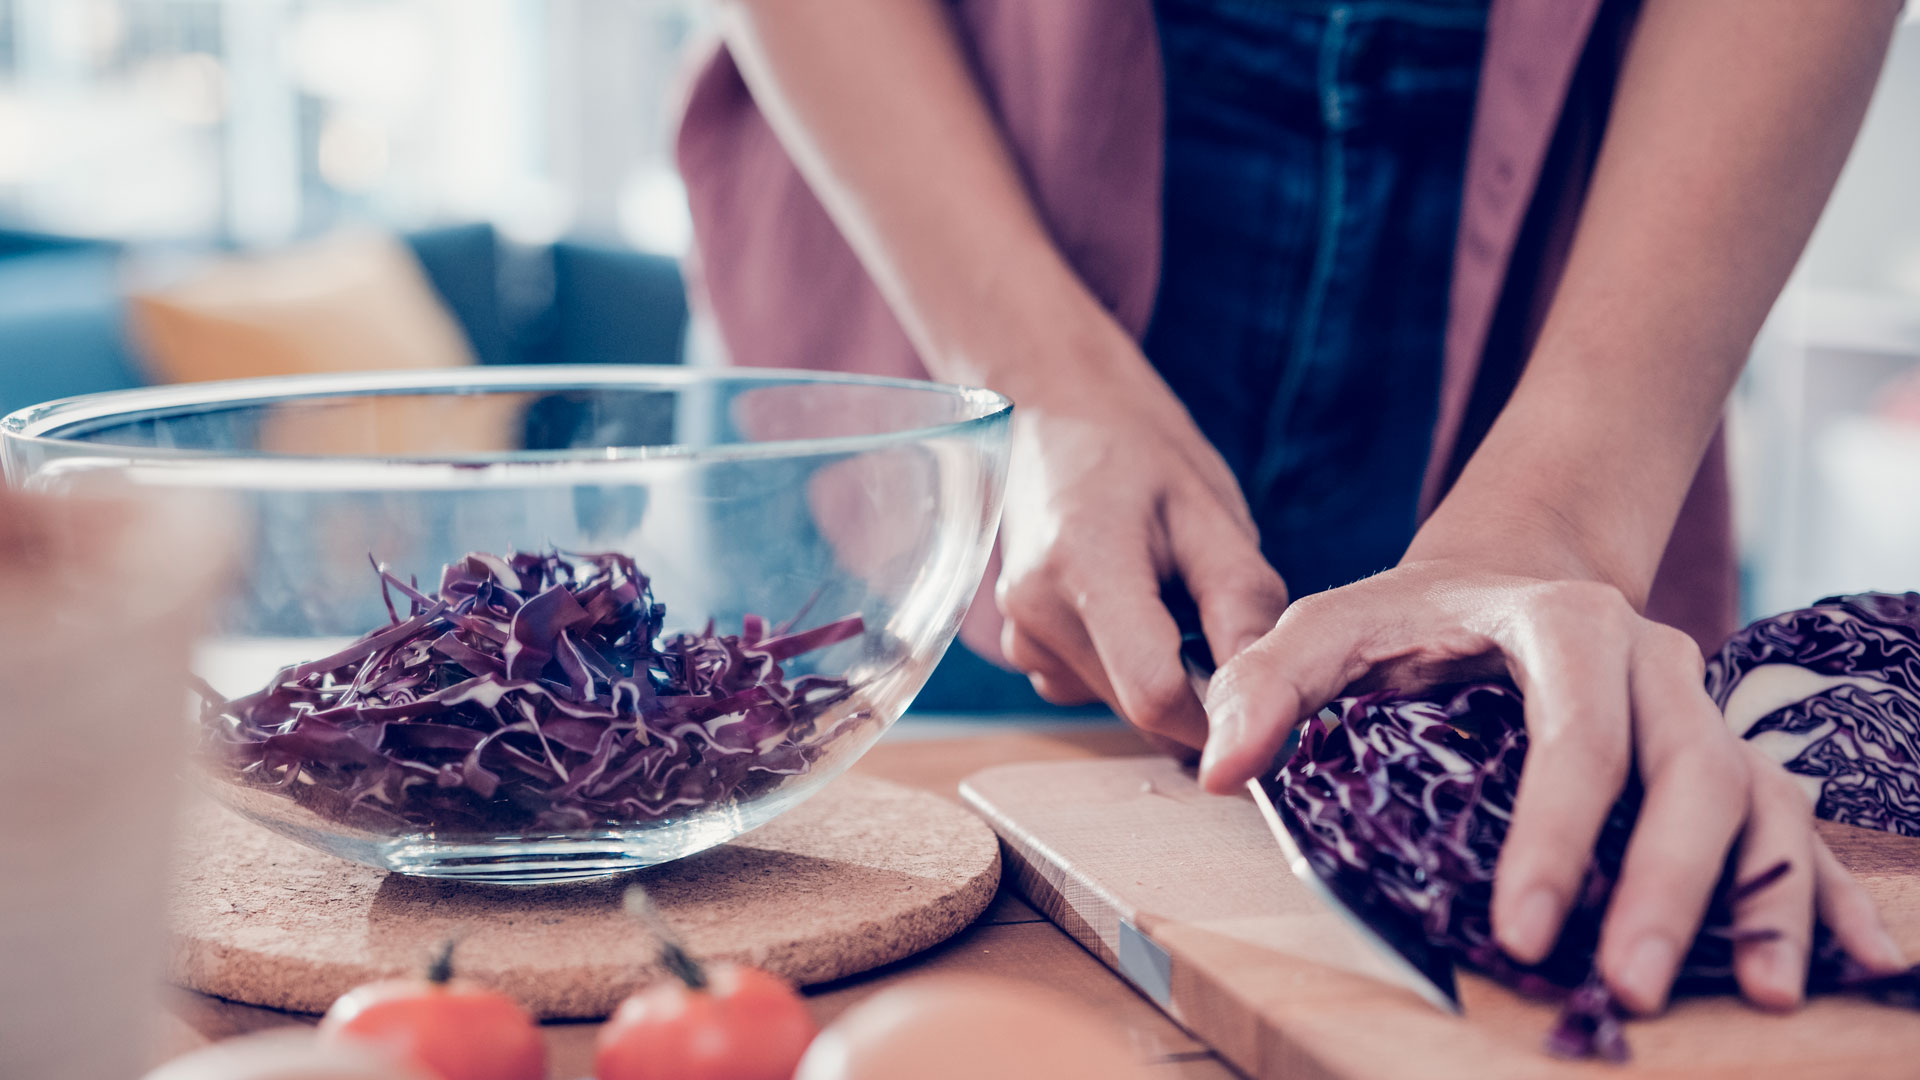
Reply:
x=1576 y=480
x=1514 y=541
x=1531 y=536
x=1034 y=332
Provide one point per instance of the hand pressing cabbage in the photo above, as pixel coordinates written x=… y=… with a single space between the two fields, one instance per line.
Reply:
x=1411 y=798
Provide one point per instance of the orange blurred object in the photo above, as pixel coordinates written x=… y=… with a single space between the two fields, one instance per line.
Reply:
x=453 y=1029
x=353 y=301
x=285 y=1055
x=741 y=1024
x=969 y=1027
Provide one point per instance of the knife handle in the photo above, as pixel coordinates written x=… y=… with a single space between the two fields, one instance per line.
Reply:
x=1195 y=655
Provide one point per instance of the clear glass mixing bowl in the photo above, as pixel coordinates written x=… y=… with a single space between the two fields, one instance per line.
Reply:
x=759 y=571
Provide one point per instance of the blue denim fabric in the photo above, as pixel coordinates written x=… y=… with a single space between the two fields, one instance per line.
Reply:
x=1315 y=159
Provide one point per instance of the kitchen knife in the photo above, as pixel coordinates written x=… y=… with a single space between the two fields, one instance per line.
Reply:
x=1392 y=935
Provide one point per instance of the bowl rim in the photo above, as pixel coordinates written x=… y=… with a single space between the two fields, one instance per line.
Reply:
x=31 y=426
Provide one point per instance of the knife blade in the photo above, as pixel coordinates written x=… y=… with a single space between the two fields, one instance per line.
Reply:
x=1391 y=935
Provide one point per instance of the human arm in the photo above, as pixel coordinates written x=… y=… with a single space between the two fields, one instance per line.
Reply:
x=1113 y=488
x=1729 y=126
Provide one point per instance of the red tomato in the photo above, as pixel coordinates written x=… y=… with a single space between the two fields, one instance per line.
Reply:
x=744 y=1024
x=452 y=1029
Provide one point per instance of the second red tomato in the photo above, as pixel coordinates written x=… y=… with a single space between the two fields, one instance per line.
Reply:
x=744 y=1024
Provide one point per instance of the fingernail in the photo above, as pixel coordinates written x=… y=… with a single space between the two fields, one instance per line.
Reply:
x=1225 y=724
x=1783 y=968
x=1648 y=971
x=1530 y=934
x=1226 y=728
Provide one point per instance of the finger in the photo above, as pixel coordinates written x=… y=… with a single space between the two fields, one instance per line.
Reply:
x=1043 y=636
x=1178 y=751
x=1239 y=595
x=1133 y=658
x=1569 y=656
x=1849 y=912
x=1698 y=793
x=1052 y=679
x=1067 y=692
x=1138 y=646
x=1774 y=882
x=1311 y=654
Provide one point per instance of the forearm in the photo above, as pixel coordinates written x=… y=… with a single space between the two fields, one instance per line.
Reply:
x=1729 y=126
x=876 y=104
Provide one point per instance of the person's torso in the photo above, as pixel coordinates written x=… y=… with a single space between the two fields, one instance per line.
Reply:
x=1314 y=160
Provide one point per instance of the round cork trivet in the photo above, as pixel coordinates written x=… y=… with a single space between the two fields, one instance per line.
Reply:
x=860 y=875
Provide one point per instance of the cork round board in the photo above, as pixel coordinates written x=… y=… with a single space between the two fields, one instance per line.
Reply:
x=860 y=875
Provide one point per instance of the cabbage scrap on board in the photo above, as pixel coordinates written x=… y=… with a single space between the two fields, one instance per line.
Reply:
x=1411 y=797
x=532 y=692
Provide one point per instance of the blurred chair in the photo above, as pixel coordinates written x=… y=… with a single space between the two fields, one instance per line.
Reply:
x=64 y=326
x=612 y=306
x=463 y=263
x=62 y=320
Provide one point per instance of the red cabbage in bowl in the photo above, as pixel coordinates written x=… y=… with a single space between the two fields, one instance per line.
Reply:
x=533 y=693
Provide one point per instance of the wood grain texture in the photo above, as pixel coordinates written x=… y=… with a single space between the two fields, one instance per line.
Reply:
x=1034 y=953
x=862 y=875
x=1279 y=987
x=939 y=765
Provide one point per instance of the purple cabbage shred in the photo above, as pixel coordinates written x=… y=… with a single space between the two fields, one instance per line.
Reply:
x=533 y=693
x=1410 y=798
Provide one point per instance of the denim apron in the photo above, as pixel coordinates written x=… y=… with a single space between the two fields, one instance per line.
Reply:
x=1316 y=151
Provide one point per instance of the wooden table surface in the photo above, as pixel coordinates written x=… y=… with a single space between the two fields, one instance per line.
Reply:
x=1010 y=940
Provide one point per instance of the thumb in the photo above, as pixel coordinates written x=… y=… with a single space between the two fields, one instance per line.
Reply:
x=1256 y=700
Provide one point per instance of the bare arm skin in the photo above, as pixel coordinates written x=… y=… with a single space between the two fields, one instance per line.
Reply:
x=874 y=101
x=1731 y=121
x=876 y=105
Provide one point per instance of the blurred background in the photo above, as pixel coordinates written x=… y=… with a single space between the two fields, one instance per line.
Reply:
x=502 y=170
x=494 y=178
x=256 y=121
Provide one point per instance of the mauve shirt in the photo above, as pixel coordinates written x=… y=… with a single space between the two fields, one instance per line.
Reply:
x=1075 y=86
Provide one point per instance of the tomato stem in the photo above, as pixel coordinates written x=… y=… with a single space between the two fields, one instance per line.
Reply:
x=683 y=965
x=440 y=971
x=673 y=955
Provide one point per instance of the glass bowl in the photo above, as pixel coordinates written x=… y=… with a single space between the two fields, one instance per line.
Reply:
x=552 y=623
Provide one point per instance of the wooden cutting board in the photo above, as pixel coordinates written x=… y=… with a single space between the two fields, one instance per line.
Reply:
x=862 y=874
x=1187 y=896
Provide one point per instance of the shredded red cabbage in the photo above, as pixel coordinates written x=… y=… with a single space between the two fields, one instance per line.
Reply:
x=1858 y=736
x=1410 y=799
x=532 y=693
